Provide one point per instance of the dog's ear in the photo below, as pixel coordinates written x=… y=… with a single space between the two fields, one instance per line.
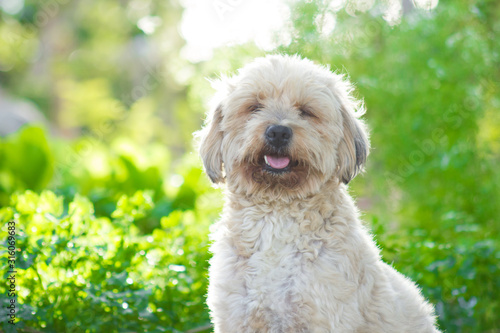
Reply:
x=354 y=146
x=210 y=145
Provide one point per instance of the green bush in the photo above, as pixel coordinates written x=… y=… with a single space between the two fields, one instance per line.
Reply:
x=78 y=272
x=457 y=271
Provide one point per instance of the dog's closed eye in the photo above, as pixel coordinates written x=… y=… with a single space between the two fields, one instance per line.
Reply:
x=306 y=112
x=255 y=107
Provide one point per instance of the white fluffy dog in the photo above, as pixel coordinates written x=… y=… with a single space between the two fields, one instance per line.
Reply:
x=290 y=253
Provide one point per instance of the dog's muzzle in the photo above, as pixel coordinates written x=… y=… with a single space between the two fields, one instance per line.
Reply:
x=276 y=159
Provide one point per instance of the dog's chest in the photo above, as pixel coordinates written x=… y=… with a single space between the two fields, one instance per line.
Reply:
x=283 y=271
x=276 y=237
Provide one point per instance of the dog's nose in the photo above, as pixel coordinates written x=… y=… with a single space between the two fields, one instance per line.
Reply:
x=278 y=136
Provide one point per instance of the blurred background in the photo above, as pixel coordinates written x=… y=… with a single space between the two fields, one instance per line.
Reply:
x=98 y=103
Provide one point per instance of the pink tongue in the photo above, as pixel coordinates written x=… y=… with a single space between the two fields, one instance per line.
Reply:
x=278 y=162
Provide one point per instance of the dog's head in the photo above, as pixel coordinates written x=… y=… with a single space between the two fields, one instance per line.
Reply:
x=282 y=127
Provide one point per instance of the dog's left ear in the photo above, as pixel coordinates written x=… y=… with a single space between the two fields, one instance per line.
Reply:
x=210 y=146
x=354 y=147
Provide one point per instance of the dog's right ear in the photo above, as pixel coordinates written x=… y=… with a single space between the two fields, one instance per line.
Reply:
x=210 y=146
x=354 y=147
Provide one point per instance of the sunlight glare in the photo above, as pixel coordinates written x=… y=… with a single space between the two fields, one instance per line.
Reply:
x=11 y=7
x=211 y=24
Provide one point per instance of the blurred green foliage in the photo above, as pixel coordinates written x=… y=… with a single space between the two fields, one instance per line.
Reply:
x=112 y=207
x=26 y=161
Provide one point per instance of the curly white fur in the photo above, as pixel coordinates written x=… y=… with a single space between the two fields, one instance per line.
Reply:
x=290 y=253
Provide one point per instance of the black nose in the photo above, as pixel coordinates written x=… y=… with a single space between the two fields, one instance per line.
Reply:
x=278 y=136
